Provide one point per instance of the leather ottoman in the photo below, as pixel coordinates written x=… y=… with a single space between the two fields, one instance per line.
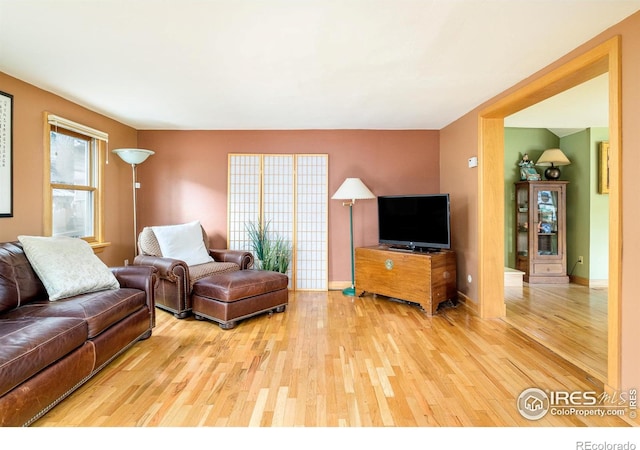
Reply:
x=229 y=297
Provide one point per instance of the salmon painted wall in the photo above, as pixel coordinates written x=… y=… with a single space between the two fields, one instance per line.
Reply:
x=187 y=177
x=460 y=139
x=29 y=105
x=457 y=145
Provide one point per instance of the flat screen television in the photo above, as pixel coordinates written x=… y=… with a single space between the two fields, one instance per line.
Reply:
x=415 y=222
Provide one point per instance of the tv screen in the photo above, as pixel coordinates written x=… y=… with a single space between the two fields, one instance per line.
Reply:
x=415 y=221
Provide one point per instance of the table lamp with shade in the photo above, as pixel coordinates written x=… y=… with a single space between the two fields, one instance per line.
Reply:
x=352 y=189
x=551 y=159
x=134 y=156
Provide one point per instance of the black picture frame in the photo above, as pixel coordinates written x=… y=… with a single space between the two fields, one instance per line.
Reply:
x=6 y=154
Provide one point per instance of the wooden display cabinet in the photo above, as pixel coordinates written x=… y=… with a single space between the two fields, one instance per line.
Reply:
x=425 y=279
x=540 y=231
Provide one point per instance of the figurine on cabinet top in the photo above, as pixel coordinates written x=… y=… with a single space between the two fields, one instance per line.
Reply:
x=527 y=170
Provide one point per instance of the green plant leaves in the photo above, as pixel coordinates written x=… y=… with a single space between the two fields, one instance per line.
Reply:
x=271 y=251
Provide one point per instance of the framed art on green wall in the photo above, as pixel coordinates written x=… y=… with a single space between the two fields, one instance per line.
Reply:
x=603 y=168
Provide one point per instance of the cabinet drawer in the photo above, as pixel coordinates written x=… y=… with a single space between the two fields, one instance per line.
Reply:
x=548 y=269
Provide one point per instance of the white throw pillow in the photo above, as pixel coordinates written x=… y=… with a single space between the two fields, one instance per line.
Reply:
x=183 y=242
x=67 y=266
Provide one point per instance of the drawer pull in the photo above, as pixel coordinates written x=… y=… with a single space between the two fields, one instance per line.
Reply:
x=388 y=264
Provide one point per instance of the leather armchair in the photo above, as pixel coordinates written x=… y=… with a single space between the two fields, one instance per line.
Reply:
x=175 y=278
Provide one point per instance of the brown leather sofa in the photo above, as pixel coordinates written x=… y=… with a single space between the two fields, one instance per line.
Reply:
x=176 y=279
x=48 y=349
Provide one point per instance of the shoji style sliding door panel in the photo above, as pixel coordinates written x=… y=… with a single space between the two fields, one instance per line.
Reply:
x=278 y=199
x=311 y=222
x=243 y=196
x=290 y=193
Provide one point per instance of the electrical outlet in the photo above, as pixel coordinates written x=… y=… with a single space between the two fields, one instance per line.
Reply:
x=126 y=262
x=580 y=259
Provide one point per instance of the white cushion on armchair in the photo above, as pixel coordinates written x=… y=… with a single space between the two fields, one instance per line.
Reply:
x=183 y=242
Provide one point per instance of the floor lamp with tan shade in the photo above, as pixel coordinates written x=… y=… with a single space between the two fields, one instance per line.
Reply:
x=352 y=189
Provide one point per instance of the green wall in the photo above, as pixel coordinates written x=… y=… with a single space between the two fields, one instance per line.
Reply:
x=587 y=211
x=576 y=147
x=599 y=217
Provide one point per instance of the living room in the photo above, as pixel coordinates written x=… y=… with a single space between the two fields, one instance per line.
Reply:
x=186 y=179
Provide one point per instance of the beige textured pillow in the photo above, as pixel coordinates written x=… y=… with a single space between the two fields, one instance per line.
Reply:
x=67 y=266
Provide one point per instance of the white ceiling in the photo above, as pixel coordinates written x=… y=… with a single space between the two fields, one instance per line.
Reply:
x=584 y=106
x=291 y=64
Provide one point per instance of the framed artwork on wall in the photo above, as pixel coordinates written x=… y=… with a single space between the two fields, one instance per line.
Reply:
x=603 y=168
x=6 y=154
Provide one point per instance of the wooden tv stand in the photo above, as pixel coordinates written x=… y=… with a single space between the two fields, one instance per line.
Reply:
x=426 y=279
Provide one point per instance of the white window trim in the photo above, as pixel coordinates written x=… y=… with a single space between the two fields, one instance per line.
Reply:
x=70 y=125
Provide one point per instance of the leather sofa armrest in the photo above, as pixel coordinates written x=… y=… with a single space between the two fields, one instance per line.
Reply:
x=139 y=277
x=168 y=268
x=136 y=277
x=242 y=258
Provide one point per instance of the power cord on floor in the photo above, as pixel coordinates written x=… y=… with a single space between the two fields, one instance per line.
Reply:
x=574 y=267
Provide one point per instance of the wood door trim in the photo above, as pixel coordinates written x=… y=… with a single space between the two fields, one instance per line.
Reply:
x=597 y=61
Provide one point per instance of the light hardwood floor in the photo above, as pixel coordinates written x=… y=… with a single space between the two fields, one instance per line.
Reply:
x=329 y=360
x=569 y=319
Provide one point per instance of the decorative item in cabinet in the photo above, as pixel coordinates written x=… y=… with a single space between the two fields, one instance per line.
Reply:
x=540 y=236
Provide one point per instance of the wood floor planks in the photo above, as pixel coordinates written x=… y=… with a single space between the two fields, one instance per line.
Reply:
x=328 y=360
x=570 y=319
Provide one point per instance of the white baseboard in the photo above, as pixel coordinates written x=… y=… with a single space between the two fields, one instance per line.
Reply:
x=512 y=277
x=339 y=285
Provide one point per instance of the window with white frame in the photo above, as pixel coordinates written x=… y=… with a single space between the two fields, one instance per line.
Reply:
x=74 y=167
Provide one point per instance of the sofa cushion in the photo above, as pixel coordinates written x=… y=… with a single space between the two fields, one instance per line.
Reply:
x=183 y=242
x=99 y=309
x=67 y=266
x=29 y=344
x=19 y=284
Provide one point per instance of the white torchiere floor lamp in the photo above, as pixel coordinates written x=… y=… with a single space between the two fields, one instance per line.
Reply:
x=134 y=156
x=352 y=189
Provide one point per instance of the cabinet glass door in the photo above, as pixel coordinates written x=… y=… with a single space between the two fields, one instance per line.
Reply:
x=546 y=221
x=522 y=227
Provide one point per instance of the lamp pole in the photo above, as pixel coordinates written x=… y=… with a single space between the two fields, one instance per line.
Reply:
x=134 y=156
x=135 y=212
x=352 y=189
x=351 y=291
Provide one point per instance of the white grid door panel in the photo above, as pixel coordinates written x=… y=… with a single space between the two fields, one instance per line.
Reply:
x=311 y=222
x=278 y=198
x=244 y=198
